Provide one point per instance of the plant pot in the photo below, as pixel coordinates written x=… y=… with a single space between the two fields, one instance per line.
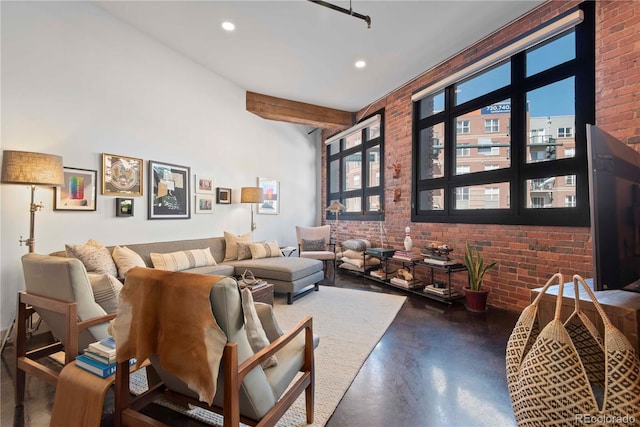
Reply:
x=476 y=301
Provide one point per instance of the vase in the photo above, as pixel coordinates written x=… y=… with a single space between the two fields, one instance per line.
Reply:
x=476 y=301
x=408 y=243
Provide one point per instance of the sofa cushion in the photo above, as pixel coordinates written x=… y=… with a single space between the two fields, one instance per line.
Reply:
x=182 y=260
x=244 y=251
x=216 y=270
x=95 y=257
x=106 y=291
x=286 y=269
x=264 y=250
x=231 y=241
x=126 y=259
x=256 y=334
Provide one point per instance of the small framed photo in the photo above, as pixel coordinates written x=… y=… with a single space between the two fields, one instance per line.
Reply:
x=78 y=193
x=204 y=204
x=121 y=176
x=204 y=184
x=223 y=196
x=124 y=206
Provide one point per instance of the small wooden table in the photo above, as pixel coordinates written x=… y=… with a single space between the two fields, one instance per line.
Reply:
x=263 y=294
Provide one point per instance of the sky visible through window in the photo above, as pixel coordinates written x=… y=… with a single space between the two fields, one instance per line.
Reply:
x=557 y=99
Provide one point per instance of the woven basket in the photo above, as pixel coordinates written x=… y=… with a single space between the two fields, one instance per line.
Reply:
x=565 y=374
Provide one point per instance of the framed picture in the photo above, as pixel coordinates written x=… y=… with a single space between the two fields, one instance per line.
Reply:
x=169 y=194
x=204 y=185
x=78 y=192
x=121 y=176
x=204 y=204
x=124 y=206
x=223 y=196
x=271 y=196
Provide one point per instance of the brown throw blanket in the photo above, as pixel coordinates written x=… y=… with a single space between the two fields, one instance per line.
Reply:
x=169 y=313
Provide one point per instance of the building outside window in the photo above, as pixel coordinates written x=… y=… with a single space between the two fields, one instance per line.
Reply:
x=491 y=125
x=570 y=201
x=354 y=165
x=462 y=126
x=553 y=95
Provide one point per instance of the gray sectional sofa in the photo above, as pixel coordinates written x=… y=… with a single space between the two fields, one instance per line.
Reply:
x=291 y=275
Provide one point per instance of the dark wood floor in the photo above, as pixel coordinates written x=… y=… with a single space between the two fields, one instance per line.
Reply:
x=436 y=365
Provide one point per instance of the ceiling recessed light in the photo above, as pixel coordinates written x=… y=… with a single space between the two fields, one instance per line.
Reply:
x=360 y=64
x=228 y=26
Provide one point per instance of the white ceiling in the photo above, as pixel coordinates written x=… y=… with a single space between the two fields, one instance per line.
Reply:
x=301 y=51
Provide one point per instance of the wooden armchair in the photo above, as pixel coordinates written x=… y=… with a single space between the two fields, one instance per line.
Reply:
x=59 y=291
x=246 y=392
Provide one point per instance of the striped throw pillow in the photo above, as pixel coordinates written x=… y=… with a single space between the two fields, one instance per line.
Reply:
x=264 y=250
x=182 y=260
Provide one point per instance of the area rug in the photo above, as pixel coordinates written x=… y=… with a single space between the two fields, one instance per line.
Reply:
x=349 y=322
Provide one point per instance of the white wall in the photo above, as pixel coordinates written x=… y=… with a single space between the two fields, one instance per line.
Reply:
x=76 y=82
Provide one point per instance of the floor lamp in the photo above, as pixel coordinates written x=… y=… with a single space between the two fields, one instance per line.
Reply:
x=251 y=195
x=32 y=169
x=336 y=207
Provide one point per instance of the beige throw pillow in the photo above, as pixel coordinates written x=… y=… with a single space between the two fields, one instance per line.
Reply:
x=255 y=333
x=244 y=251
x=182 y=260
x=95 y=257
x=265 y=250
x=106 y=291
x=231 y=241
x=126 y=259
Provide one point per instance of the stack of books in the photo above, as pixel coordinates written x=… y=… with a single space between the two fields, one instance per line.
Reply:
x=380 y=274
x=407 y=284
x=442 y=292
x=100 y=358
x=407 y=256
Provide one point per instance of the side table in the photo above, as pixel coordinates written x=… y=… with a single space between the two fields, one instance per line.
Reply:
x=263 y=294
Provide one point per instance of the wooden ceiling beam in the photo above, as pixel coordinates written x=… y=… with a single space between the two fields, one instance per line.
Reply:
x=284 y=110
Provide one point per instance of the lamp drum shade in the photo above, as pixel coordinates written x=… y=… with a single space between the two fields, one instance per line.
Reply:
x=24 y=167
x=251 y=195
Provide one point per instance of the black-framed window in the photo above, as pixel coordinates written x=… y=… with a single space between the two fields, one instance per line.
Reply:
x=355 y=164
x=527 y=117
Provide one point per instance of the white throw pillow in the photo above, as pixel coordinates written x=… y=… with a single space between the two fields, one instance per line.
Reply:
x=126 y=259
x=231 y=242
x=255 y=333
x=95 y=257
x=106 y=291
x=265 y=250
x=182 y=260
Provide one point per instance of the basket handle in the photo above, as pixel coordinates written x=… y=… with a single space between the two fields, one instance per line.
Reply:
x=546 y=286
x=577 y=278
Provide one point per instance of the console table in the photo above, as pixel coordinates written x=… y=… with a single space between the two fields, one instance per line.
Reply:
x=621 y=307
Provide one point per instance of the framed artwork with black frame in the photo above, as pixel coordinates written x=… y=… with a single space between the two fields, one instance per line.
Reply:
x=78 y=192
x=121 y=176
x=169 y=192
x=223 y=196
x=124 y=206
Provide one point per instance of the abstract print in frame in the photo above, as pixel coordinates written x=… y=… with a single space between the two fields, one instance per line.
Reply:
x=121 y=176
x=271 y=196
x=169 y=194
x=78 y=192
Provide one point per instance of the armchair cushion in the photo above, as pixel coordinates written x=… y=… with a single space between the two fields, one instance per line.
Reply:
x=106 y=291
x=256 y=334
x=314 y=245
x=95 y=257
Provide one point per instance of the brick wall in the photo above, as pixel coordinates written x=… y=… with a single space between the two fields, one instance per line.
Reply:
x=527 y=255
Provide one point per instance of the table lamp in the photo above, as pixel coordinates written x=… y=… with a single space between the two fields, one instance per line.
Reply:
x=251 y=195
x=32 y=169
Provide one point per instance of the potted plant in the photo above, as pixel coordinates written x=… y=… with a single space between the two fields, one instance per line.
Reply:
x=475 y=296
